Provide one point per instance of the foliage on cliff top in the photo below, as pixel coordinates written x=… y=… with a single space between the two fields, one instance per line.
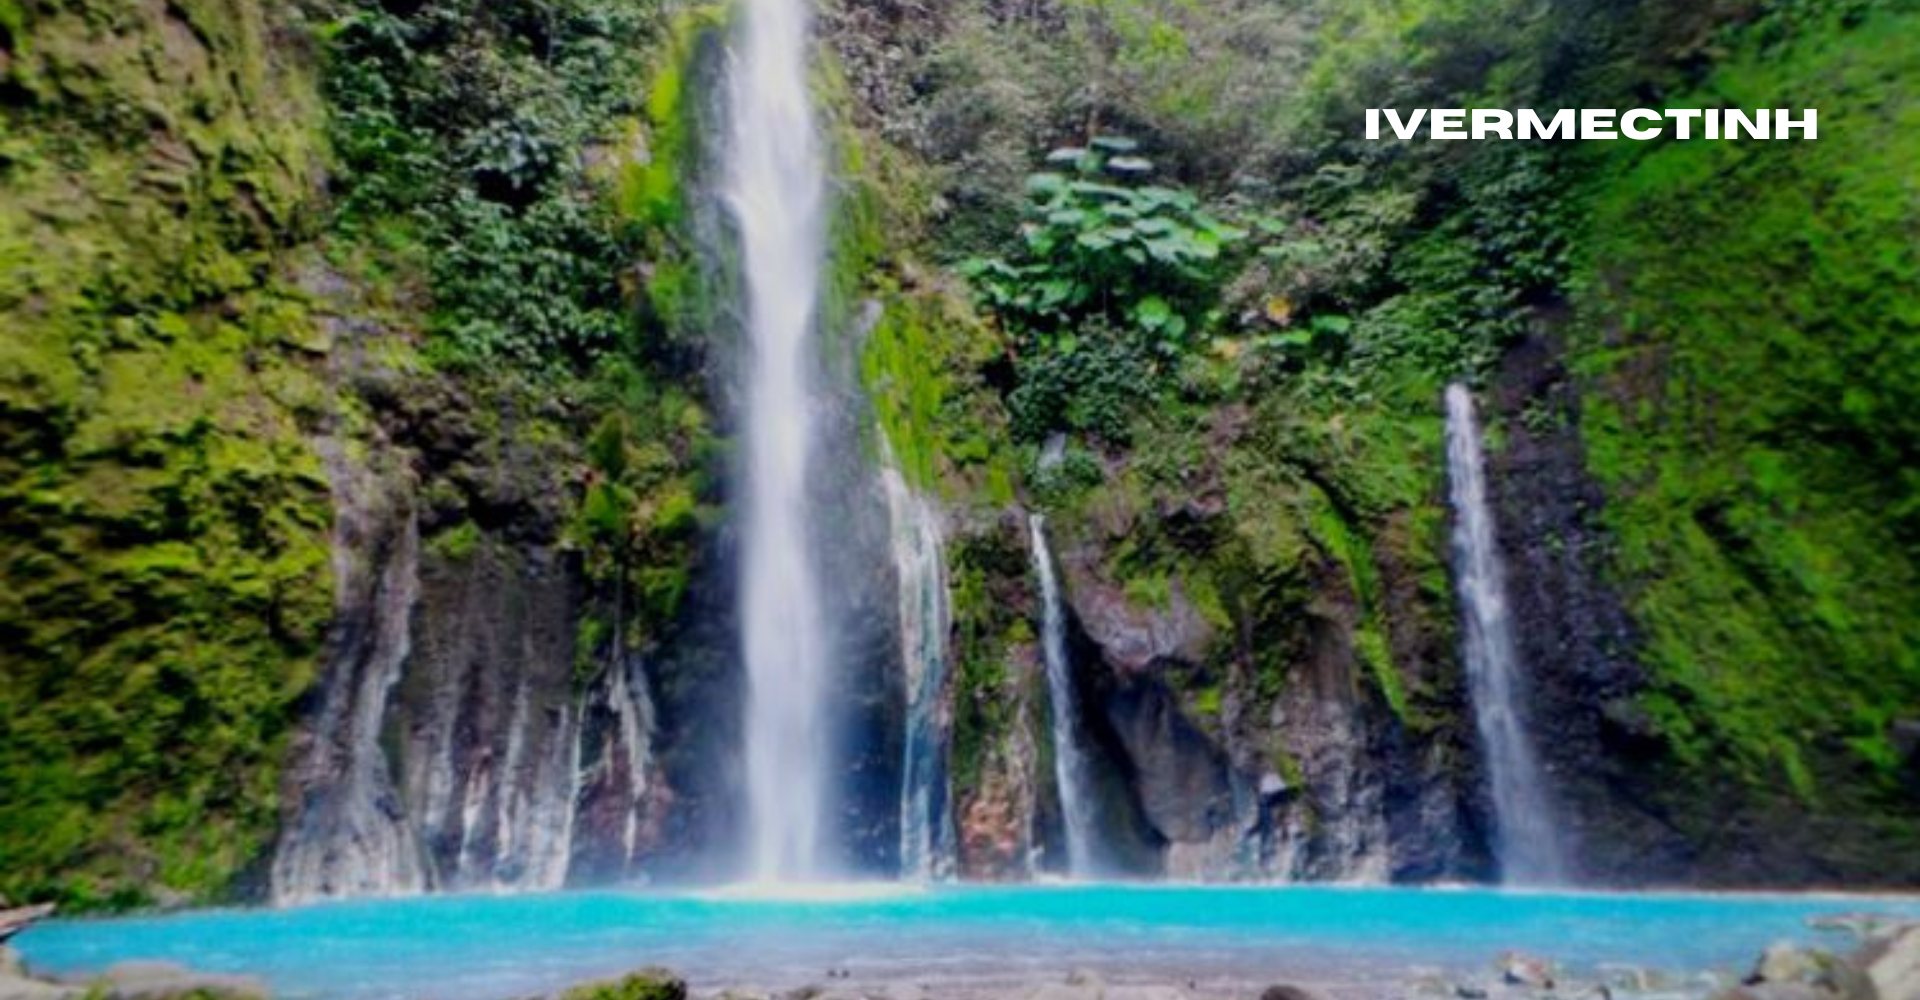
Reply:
x=478 y=124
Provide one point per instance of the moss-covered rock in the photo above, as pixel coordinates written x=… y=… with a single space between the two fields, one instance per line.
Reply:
x=646 y=984
x=165 y=566
x=1748 y=342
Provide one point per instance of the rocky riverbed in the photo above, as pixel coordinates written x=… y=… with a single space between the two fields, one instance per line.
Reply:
x=1882 y=963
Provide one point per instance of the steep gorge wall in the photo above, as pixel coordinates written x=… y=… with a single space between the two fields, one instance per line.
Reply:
x=197 y=401
x=1720 y=693
x=164 y=566
x=1707 y=491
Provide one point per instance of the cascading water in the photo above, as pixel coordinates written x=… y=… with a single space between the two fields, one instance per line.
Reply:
x=775 y=189
x=1069 y=761
x=919 y=561
x=1526 y=841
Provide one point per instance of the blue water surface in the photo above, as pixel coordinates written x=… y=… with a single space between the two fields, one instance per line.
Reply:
x=478 y=947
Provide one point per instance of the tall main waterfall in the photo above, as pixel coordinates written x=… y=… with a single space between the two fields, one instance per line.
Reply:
x=1526 y=841
x=1069 y=761
x=919 y=559
x=775 y=188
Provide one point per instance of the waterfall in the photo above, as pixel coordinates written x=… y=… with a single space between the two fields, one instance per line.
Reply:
x=775 y=189
x=919 y=561
x=1069 y=762
x=634 y=715
x=1526 y=841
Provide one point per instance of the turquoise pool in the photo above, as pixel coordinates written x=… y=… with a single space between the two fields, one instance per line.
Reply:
x=483 y=947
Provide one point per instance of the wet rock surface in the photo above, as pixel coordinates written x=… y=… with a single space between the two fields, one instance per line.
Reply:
x=1208 y=770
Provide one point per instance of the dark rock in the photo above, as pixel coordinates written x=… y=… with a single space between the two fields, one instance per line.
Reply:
x=1287 y=992
x=1633 y=813
x=485 y=718
x=1134 y=639
x=1904 y=734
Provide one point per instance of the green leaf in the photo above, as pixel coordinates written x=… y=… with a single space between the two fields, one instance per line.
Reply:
x=1046 y=184
x=1153 y=312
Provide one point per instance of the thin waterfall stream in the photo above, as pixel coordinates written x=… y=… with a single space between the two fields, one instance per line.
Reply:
x=775 y=188
x=1527 y=841
x=919 y=558
x=1069 y=760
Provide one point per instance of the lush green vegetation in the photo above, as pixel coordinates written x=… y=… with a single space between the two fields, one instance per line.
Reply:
x=525 y=163
x=163 y=572
x=1755 y=342
x=470 y=129
x=1741 y=318
x=175 y=281
x=1212 y=351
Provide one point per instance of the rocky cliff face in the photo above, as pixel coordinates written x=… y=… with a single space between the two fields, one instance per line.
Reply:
x=1634 y=813
x=261 y=514
x=1259 y=747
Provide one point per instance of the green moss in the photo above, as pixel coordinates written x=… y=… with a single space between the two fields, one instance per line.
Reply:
x=1154 y=590
x=164 y=577
x=456 y=543
x=1754 y=420
x=920 y=363
x=13 y=24
x=652 y=189
x=991 y=631
x=647 y=984
x=1352 y=553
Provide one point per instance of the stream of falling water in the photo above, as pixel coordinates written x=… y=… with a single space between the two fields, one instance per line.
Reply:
x=919 y=560
x=1527 y=843
x=775 y=188
x=1069 y=760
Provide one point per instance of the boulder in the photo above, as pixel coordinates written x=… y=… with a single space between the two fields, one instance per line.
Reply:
x=1288 y=992
x=651 y=983
x=1634 y=979
x=1784 y=962
x=1530 y=971
x=1887 y=967
x=1134 y=638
